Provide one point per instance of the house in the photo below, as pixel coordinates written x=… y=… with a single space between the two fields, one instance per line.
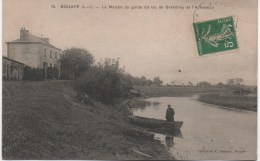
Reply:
x=12 y=70
x=34 y=51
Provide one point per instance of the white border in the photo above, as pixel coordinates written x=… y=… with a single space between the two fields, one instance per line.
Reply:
x=1 y=45
x=258 y=82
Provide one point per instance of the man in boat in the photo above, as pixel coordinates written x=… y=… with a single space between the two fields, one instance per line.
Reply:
x=170 y=114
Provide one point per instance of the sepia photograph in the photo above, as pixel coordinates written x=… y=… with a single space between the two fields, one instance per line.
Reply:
x=129 y=80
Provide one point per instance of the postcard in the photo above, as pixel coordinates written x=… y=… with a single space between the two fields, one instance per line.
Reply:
x=129 y=80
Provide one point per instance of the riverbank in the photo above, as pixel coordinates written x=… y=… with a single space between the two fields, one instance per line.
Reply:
x=177 y=91
x=238 y=102
x=221 y=96
x=43 y=120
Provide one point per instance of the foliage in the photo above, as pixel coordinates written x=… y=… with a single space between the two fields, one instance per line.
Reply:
x=52 y=73
x=203 y=84
x=157 y=81
x=142 y=81
x=220 y=84
x=74 y=62
x=105 y=82
x=235 y=82
x=33 y=74
x=236 y=85
x=190 y=83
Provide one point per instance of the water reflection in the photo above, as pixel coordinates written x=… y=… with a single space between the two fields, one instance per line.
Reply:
x=156 y=104
x=169 y=140
x=153 y=105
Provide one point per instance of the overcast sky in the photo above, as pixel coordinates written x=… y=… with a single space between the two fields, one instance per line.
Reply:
x=148 y=42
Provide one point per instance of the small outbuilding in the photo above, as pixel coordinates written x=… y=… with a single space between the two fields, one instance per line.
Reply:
x=12 y=69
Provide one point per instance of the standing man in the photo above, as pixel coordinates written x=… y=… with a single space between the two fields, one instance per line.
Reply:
x=170 y=114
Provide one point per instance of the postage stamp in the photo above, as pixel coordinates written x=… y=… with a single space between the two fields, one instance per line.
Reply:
x=215 y=36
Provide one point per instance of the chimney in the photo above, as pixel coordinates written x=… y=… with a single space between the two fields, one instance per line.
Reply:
x=24 y=34
x=46 y=39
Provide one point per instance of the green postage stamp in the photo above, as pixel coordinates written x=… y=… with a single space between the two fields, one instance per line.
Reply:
x=216 y=35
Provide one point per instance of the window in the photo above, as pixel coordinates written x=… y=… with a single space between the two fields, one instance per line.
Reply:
x=44 y=65
x=55 y=54
x=50 y=54
x=45 y=51
x=50 y=65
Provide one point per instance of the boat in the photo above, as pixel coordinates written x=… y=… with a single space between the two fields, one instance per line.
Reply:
x=156 y=125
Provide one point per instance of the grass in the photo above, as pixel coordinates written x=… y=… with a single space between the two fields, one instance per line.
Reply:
x=176 y=91
x=43 y=120
x=239 y=102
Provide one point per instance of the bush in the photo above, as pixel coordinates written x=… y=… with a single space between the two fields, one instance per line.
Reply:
x=105 y=82
x=74 y=62
x=65 y=75
x=52 y=73
x=33 y=74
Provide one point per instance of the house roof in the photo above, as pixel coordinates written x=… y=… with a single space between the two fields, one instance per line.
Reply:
x=4 y=57
x=33 y=39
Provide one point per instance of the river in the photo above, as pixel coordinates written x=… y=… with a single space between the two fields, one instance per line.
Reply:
x=209 y=132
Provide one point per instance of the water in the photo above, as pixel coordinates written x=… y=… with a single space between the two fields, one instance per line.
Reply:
x=208 y=132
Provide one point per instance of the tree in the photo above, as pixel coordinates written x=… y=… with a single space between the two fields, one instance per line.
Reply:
x=238 y=81
x=157 y=81
x=52 y=73
x=74 y=62
x=105 y=82
x=220 y=84
x=235 y=82
x=140 y=81
x=203 y=84
x=190 y=83
x=149 y=82
x=230 y=82
x=143 y=80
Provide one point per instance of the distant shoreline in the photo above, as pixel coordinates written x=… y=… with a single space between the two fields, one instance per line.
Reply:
x=177 y=91
x=215 y=95
x=229 y=101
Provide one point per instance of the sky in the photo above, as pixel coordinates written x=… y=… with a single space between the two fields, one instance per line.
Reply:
x=148 y=42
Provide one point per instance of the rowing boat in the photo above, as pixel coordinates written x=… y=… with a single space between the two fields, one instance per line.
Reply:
x=155 y=124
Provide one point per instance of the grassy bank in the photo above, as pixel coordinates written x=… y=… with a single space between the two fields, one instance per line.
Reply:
x=43 y=120
x=177 y=91
x=239 y=102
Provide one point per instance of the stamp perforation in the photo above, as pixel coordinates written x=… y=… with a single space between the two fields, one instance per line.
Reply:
x=213 y=43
